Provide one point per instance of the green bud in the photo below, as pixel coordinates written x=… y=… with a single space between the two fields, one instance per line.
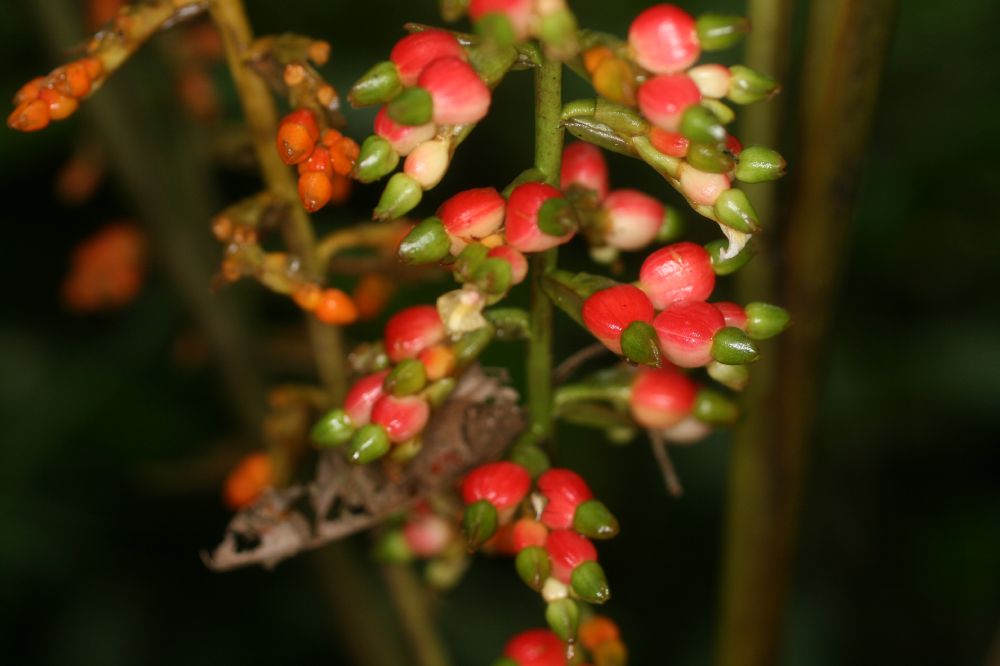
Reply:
x=720 y=31
x=437 y=392
x=765 y=320
x=594 y=520
x=748 y=86
x=734 y=209
x=734 y=377
x=332 y=429
x=709 y=158
x=723 y=266
x=377 y=158
x=400 y=196
x=479 y=523
x=408 y=377
x=493 y=276
x=531 y=457
x=556 y=217
x=620 y=118
x=672 y=227
x=427 y=243
x=368 y=444
x=732 y=346
x=469 y=259
x=756 y=164
x=510 y=323
x=406 y=451
x=379 y=84
x=589 y=583
x=713 y=407
x=471 y=345
x=391 y=547
x=533 y=566
x=496 y=28
x=725 y=114
x=700 y=125
x=640 y=344
x=563 y=617
x=413 y=106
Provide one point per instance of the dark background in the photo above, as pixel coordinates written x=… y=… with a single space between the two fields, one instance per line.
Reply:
x=114 y=440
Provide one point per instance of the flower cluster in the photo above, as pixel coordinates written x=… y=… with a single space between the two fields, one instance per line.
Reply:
x=56 y=96
x=324 y=159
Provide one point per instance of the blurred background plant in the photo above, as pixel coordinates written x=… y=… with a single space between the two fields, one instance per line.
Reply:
x=119 y=423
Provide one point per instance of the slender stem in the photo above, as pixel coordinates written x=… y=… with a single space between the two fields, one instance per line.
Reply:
x=411 y=604
x=262 y=121
x=548 y=155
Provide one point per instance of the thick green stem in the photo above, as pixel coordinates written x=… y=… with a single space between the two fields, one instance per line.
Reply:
x=847 y=45
x=548 y=155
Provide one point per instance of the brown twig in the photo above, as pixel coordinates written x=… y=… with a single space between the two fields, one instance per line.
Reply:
x=670 y=478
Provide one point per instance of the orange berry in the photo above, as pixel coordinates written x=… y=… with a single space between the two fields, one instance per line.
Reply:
x=614 y=78
x=93 y=66
x=327 y=96
x=307 y=296
x=294 y=74
x=29 y=91
x=343 y=154
x=341 y=188
x=596 y=630
x=60 y=106
x=439 y=361
x=594 y=56
x=29 y=116
x=222 y=228
x=106 y=269
x=318 y=162
x=330 y=137
x=319 y=51
x=230 y=269
x=336 y=308
x=297 y=136
x=610 y=653
x=315 y=190
x=372 y=293
x=248 y=480
x=78 y=179
x=71 y=80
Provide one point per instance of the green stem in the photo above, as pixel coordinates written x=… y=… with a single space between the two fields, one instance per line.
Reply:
x=411 y=604
x=548 y=155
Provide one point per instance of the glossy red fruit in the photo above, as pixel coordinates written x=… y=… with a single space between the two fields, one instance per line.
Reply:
x=583 y=165
x=517 y=261
x=459 y=95
x=317 y=162
x=536 y=647
x=661 y=397
x=564 y=490
x=402 y=138
x=607 y=313
x=663 y=99
x=402 y=417
x=472 y=215
x=413 y=53
x=677 y=272
x=521 y=223
x=297 y=136
x=503 y=484
x=362 y=397
x=410 y=331
x=733 y=313
x=633 y=219
x=664 y=39
x=567 y=550
x=686 y=330
x=518 y=12
x=673 y=144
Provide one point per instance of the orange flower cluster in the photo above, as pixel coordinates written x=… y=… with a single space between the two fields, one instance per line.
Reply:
x=325 y=159
x=106 y=270
x=601 y=637
x=245 y=483
x=54 y=97
x=331 y=306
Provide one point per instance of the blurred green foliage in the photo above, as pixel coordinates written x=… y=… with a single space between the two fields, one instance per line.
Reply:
x=112 y=452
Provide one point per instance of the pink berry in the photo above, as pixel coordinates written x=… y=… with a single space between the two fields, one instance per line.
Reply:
x=583 y=165
x=677 y=272
x=536 y=647
x=518 y=12
x=633 y=219
x=686 y=330
x=733 y=313
x=427 y=534
x=518 y=264
x=607 y=313
x=664 y=39
x=402 y=417
x=521 y=223
x=362 y=396
x=702 y=187
x=528 y=532
x=413 y=53
x=428 y=162
x=459 y=95
x=567 y=550
x=661 y=397
x=502 y=484
x=402 y=138
x=565 y=490
x=663 y=99
x=410 y=331
x=472 y=214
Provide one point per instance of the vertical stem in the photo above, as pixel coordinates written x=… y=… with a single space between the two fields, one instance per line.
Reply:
x=548 y=155
x=847 y=45
x=411 y=605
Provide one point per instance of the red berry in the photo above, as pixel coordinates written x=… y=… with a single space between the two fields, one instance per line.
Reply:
x=733 y=145
x=663 y=99
x=536 y=647
x=413 y=53
x=661 y=397
x=686 y=330
x=519 y=12
x=362 y=397
x=521 y=224
x=410 y=331
x=472 y=214
x=459 y=95
x=528 y=532
x=518 y=264
x=607 y=313
x=503 y=484
x=567 y=550
x=664 y=39
x=565 y=490
x=317 y=162
x=673 y=144
x=403 y=138
x=402 y=417
x=583 y=165
x=677 y=272
x=733 y=313
x=633 y=219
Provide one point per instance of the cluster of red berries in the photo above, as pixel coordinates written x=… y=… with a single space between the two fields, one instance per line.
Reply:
x=56 y=96
x=324 y=159
x=542 y=647
x=412 y=372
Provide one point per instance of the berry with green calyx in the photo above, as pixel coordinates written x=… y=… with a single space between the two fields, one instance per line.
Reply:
x=332 y=429
x=427 y=243
x=589 y=583
x=408 y=377
x=557 y=217
x=748 y=86
x=687 y=331
x=733 y=208
x=563 y=618
x=756 y=164
x=413 y=54
x=493 y=276
x=667 y=99
x=533 y=566
x=491 y=493
x=479 y=523
x=720 y=31
x=403 y=417
x=709 y=158
x=608 y=312
x=700 y=125
x=368 y=444
x=733 y=347
x=401 y=195
x=574 y=562
x=377 y=159
x=677 y=272
x=765 y=320
x=571 y=504
x=412 y=107
x=640 y=344
x=376 y=86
